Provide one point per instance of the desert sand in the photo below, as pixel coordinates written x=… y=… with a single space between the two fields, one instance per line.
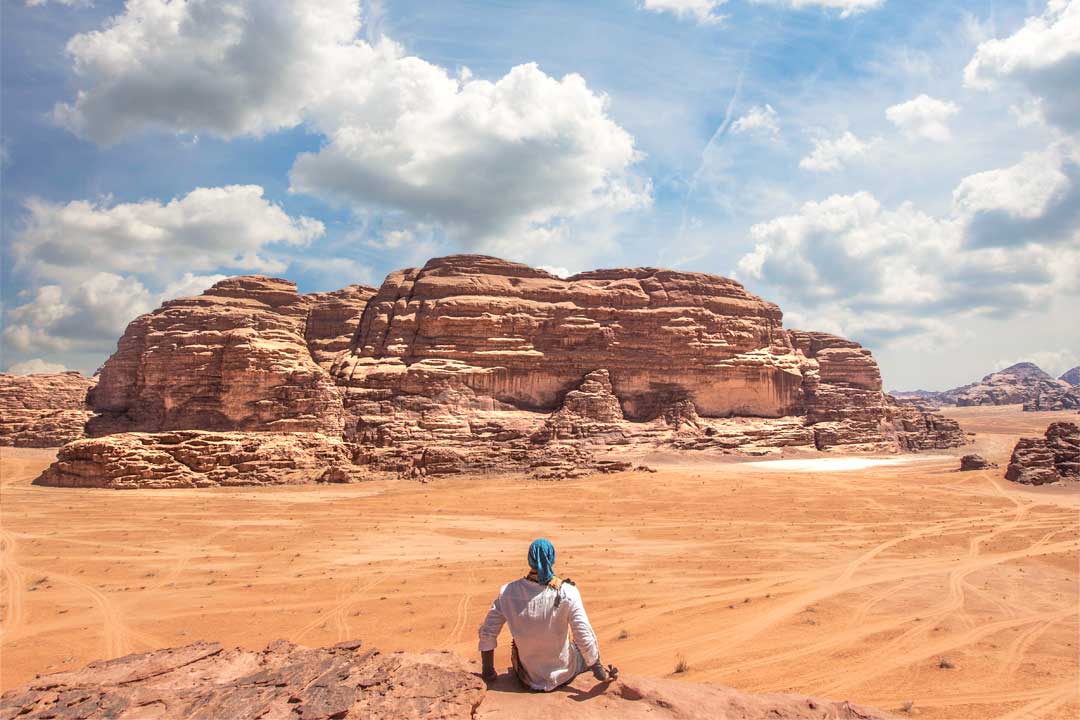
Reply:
x=888 y=584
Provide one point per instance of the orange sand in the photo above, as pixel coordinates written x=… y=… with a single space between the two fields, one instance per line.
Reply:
x=851 y=585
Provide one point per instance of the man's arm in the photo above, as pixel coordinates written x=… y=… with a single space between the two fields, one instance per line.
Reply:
x=489 y=639
x=581 y=629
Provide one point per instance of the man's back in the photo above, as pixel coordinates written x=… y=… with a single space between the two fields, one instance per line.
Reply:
x=540 y=617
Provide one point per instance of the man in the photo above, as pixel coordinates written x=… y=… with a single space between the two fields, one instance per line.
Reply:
x=541 y=608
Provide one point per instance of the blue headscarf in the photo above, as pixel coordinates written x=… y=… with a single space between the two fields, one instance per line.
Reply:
x=542 y=560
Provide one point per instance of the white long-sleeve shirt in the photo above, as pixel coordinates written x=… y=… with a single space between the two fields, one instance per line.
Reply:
x=541 y=630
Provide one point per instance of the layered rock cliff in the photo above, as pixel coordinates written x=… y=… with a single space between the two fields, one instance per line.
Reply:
x=472 y=362
x=43 y=409
x=1023 y=383
x=236 y=357
x=347 y=680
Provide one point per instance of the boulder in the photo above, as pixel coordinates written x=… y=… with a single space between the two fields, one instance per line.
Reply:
x=1054 y=457
x=194 y=458
x=43 y=409
x=975 y=462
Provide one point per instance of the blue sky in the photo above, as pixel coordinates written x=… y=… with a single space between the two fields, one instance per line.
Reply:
x=903 y=173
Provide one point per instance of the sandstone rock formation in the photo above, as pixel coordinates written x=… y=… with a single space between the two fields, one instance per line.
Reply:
x=43 y=409
x=244 y=355
x=193 y=458
x=975 y=462
x=1023 y=383
x=204 y=680
x=475 y=363
x=1037 y=461
x=1071 y=376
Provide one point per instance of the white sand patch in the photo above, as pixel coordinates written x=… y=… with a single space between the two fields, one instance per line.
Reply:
x=839 y=464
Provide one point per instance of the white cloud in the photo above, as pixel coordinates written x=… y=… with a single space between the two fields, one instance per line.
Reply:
x=35 y=365
x=231 y=67
x=90 y=314
x=923 y=117
x=702 y=11
x=486 y=160
x=847 y=8
x=880 y=274
x=759 y=119
x=93 y=267
x=1043 y=56
x=1025 y=190
x=830 y=155
x=208 y=228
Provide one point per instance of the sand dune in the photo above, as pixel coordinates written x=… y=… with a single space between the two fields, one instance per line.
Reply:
x=883 y=584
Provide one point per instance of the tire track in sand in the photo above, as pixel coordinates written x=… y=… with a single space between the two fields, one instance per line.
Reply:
x=14 y=584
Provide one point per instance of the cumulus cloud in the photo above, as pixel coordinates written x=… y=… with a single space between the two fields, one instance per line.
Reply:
x=701 y=11
x=35 y=365
x=760 y=119
x=923 y=117
x=136 y=252
x=1037 y=198
x=881 y=274
x=1043 y=57
x=209 y=228
x=830 y=155
x=230 y=67
x=484 y=159
x=847 y=8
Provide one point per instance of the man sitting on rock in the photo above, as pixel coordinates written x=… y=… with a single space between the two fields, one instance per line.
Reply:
x=543 y=610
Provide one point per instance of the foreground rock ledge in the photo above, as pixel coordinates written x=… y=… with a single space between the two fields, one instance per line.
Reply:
x=204 y=680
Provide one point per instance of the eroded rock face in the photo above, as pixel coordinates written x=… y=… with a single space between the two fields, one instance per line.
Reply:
x=1054 y=457
x=1023 y=383
x=618 y=356
x=1071 y=376
x=43 y=409
x=193 y=458
x=474 y=363
x=234 y=358
x=205 y=680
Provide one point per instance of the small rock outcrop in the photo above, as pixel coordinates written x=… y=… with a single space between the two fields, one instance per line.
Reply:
x=43 y=409
x=205 y=680
x=1054 y=457
x=975 y=462
x=194 y=458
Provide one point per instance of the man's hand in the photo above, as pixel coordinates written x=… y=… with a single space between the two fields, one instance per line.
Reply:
x=487 y=660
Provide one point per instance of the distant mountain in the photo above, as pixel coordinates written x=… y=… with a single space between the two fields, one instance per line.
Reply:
x=1072 y=376
x=1024 y=384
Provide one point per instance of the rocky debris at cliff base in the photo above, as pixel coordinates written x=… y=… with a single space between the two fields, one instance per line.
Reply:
x=975 y=462
x=347 y=680
x=1054 y=457
x=192 y=458
x=43 y=409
